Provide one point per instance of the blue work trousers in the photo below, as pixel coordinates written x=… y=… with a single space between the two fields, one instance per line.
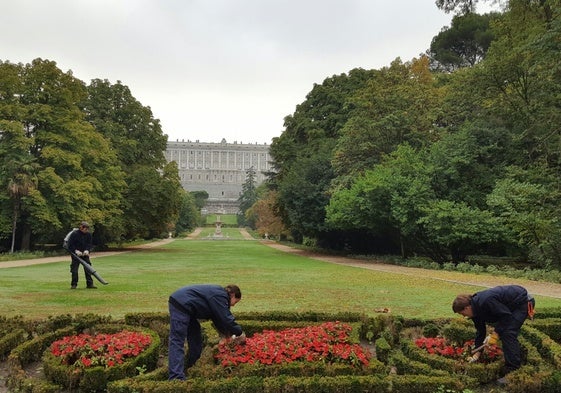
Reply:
x=183 y=327
x=509 y=339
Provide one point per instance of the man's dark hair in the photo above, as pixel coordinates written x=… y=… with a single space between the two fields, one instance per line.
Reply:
x=461 y=302
x=235 y=290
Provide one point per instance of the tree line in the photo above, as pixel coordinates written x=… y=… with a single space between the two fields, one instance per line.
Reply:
x=451 y=154
x=454 y=153
x=71 y=152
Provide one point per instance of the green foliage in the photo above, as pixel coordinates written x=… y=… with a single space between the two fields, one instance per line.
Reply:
x=458 y=331
x=463 y=44
x=189 y=215
x=412 y=369
x=431 y=330
x=398 y=105
x=247 y=197
x=421 y=159
x=76 y=172
x=78 y=153
x=528 y=206
x=383 y=349
x=153 y=195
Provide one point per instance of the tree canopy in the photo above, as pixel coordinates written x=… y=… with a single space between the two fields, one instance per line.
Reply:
x=73 y=152
x=447 y=156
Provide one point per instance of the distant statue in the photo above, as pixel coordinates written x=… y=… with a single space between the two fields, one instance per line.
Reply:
x=218 y=229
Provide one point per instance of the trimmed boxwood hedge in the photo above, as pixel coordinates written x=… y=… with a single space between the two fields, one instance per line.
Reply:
x=399 y=365
x=95 y=379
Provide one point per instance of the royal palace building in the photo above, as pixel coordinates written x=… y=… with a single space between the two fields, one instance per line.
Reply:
x=219 y=169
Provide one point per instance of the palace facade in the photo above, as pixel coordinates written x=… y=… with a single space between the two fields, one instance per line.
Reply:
x=219 y=169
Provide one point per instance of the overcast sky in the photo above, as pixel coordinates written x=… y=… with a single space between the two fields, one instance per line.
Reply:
x=213 y=69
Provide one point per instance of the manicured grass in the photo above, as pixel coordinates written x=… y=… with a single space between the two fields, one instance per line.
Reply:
x=227 y=233
x=270 y=280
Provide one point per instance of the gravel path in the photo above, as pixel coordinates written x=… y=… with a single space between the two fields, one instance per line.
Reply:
x=483 y=280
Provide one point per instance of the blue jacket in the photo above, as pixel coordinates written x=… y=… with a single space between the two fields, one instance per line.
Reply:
x=208 y=302
x=503 y=305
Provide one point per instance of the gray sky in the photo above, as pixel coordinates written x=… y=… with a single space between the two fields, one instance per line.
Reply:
x=213 y=69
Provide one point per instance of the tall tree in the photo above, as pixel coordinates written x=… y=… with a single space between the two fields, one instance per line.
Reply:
x=399 y=104
x=76 y=173
x=302 y=154
x=139 y=143
x=459 y=6
x=153 y=201
x=189 y=214
x=248 y=195
x=528 y=203
x=264 y=214
x=18 y=168
x=463 y=44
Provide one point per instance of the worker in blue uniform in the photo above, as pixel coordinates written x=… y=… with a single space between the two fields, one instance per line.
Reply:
x=189 y=304
x=506 y=307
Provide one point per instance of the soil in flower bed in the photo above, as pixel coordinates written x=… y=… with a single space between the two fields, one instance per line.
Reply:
x=33 y=370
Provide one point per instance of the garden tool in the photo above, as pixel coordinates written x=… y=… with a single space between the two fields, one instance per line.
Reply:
x=491 y=339
x=88 y=267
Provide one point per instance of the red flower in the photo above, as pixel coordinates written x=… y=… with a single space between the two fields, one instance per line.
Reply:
x=328 y=342
x=101 y=350
x=440 y=346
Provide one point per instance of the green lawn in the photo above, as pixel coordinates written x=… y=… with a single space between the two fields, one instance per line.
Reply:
x=228 y=219
x=270 y=280
x=227 y=233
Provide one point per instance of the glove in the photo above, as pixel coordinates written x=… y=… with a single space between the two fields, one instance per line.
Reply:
x=474 y=358
x=491 y=339
x=79 y=253
x=86 y=253
x=239 y=339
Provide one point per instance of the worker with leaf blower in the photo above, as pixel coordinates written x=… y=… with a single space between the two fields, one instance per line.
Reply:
x=506 y=307
x=80 y=244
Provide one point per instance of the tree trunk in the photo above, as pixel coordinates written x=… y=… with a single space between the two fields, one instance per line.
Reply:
x=26 y=238
x=14 y=225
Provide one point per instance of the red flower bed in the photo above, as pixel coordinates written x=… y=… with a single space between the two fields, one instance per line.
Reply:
x=105 y=350
x=440 y=346
x=328 y=342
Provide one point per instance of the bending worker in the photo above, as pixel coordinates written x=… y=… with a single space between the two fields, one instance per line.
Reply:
x=505 y=306
x=186 y=306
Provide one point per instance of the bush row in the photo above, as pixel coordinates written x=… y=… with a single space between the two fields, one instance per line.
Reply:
x=399 y=365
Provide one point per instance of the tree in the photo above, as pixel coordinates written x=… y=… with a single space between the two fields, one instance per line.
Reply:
x=153 y=201
x=201 y=198
x=460 y=6
x=189 y=214
x=140 y=144
x=528 y=204
x=76 y=174
x=302 y=154
x=386 y=199
x=463 y=44
x=399 y=104
x=248 y=195
x=18 y=167
x=302 y=195
x=264 y=214
x=458 y=228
